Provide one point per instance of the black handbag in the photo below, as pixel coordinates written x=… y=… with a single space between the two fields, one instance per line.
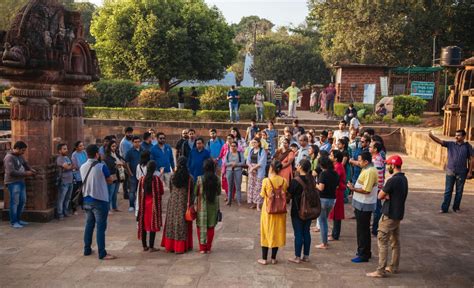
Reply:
x=219 y=215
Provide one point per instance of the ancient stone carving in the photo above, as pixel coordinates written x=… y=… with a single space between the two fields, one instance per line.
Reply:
x=24 y=111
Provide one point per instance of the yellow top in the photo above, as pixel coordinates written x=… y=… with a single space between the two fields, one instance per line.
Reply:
x=293 y=93
x=368 y=178
x=272 y=226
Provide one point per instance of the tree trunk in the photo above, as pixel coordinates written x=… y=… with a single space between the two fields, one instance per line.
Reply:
x=164 y=85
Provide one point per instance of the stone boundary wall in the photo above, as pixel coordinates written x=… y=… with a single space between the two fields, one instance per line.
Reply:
x=416 y=143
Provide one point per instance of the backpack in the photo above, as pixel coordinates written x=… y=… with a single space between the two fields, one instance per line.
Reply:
x=276 y=203
x=310 y=203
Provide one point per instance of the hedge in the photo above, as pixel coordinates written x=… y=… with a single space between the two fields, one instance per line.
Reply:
x=113 y=93
x=247 y=112
x=406 y=105
x=340 y=108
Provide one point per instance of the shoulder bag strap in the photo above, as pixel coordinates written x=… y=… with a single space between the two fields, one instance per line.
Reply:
x=88 y=172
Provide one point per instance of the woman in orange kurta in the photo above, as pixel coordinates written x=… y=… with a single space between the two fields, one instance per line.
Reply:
x=286 y=157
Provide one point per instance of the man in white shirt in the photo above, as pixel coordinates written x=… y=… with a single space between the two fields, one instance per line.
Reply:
x=342 y=132
x=355 y=123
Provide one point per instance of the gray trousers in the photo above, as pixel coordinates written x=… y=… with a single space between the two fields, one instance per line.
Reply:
x=234 y=178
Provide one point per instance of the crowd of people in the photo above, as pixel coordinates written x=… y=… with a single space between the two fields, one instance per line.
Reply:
x=317 y=173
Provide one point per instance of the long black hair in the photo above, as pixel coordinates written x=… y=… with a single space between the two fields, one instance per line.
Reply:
x=210 y=181
x=144 y=157
x=181 y=176
x=237 y=131
x=306 y=167
x=150 y=170
x=108 y=149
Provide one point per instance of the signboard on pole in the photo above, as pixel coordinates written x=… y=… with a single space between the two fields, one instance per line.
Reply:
x=424 y=90
x=369 y=93
x=384 y=86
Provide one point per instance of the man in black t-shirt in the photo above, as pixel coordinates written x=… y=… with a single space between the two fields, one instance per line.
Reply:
x=395 y=194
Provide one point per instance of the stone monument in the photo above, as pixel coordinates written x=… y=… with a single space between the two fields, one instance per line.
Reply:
x=459 y=107
x=47 y=61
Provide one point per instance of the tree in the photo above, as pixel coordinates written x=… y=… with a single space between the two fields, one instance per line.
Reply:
x=169 y=41
x=282 y=57
x=246 y=32
x=390 y=32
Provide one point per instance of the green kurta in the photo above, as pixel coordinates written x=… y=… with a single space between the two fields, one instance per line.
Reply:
x=206 y=211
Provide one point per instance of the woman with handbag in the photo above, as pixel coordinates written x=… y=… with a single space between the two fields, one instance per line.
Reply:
x=273 y=217
x=150 y=191
x=207 y=191
x=178 y=231
x=286 y=156
x=256 y=161
x=114 y=161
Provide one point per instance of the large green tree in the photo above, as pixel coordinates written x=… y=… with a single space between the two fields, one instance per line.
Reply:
x=283 y=57
x=390 y=32
x=167 y=41
x=247 y=31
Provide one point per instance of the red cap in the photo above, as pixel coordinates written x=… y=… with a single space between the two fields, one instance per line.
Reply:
x=395 y=160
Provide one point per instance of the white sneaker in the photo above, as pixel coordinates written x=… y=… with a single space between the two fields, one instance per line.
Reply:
x=131 y=209
x=17 y=225
x=23 y=223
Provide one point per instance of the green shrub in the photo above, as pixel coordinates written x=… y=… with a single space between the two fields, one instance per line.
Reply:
x=399 y=119
x=211 y=115
x=153 y=98
x=369 y=119
x=408 y=105
x=247 y=93
x=113 y=93
x=248 y=111
x=340 y=109
x=170 y=114
x=387 y=119
x=214 y=98
x=413 y=120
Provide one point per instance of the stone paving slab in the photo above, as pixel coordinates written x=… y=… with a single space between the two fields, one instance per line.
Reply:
x=437 y=251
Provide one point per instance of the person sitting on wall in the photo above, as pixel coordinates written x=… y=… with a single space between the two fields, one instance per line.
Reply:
x=381 y=111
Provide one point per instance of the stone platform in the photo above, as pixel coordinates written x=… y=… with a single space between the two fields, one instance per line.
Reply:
x=437 y=251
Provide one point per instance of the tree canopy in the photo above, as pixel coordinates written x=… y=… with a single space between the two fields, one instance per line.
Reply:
x=283 y=57
x=168 y=41
x=390 y=32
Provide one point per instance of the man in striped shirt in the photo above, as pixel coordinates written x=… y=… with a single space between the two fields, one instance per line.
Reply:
x=379 y=164
x=278 y=95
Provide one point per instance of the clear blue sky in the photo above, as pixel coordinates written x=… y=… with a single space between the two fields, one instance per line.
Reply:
x=280 y=12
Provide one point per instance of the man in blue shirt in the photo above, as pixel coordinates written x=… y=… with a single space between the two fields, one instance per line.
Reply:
x=96 y=176
x=233 y=97
x=214 y=146
x=196 y=159
x=162 y=153
x=460 y=165
x=133 y=159
x=323 y=142
x=147 y=141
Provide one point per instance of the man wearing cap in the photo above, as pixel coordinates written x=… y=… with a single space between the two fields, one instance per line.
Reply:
x=395 y=194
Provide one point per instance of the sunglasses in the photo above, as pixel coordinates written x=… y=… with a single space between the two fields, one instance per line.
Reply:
x=162 y=138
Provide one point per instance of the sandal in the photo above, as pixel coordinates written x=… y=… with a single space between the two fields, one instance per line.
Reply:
x=109 y=257
x=321 y=246
x=295 y=260
x=261 y=261
x=274 y=261
x=145 y=249
x=154 y=250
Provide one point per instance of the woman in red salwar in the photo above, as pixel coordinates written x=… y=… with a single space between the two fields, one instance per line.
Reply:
x=149 y=201
x=337 y=212
x=178 y=233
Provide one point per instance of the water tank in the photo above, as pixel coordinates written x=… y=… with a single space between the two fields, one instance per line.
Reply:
x=450 y=56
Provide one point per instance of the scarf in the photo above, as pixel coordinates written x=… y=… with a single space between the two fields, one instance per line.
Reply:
x=201 y=220
x=156 y=191
x=282 y=156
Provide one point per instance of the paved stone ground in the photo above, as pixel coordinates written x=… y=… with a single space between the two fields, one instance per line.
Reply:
x=437 y=251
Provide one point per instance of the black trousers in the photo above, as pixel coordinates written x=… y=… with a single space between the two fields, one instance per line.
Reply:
x=265 y=253
x=336 y=229
x=152 y=239
x=363 y=233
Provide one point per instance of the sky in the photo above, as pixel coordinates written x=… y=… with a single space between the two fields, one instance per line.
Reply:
x=280 y=12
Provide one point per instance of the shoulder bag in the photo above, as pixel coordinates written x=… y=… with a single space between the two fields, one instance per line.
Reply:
x=276 y=203
x=191 y=214
x=78 y=198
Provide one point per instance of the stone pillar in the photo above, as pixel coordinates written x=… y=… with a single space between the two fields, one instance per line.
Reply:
x=68 y=113
x=31 y=123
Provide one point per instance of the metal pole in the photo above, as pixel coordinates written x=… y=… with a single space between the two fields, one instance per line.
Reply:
x=434 y=50
x=254 y=44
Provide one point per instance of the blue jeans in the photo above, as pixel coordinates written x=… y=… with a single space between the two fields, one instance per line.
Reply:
x=64 y=198
x=234 y=109
x=132 y=192
x=259 y=113
x=234 y=178
x=278 y=107
x=17 y=200
x=96 y=213
x=377 y=214
x=302 y=235
x=459 y=179
x=326 y=206
x=113 y=189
